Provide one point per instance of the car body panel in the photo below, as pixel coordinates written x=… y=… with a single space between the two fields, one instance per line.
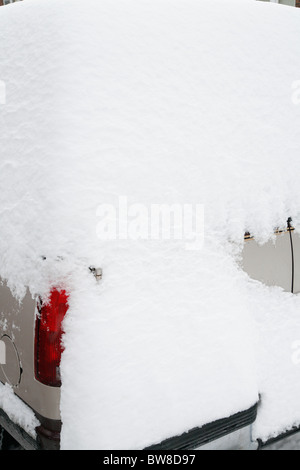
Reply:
x=17 y=330
x=271 y=262
x=296 y=261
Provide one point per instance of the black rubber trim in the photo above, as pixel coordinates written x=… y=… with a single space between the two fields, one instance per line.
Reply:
x=18 y=433
x=280 y=437
x=47 y=434
x=209 y=432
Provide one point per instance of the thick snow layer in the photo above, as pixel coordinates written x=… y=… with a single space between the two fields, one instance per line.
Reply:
x=17 y=411
x=278 y=358
x=161 y=102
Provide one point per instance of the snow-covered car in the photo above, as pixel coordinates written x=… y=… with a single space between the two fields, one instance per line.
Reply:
x=32 y=334
x=32 y=339
x=139 y=141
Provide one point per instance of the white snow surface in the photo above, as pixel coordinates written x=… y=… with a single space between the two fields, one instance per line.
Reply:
x=17 y=410
x=161 y=101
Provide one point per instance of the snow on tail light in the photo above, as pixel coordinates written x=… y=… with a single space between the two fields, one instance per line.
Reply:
x=48 y=338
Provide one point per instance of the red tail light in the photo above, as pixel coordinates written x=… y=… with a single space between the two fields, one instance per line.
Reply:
x=48 y=336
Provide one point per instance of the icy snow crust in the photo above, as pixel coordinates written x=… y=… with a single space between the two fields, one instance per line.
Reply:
x=17 y=411
x=161 y=101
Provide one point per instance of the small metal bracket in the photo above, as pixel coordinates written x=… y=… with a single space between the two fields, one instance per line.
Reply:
x=97 y=272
